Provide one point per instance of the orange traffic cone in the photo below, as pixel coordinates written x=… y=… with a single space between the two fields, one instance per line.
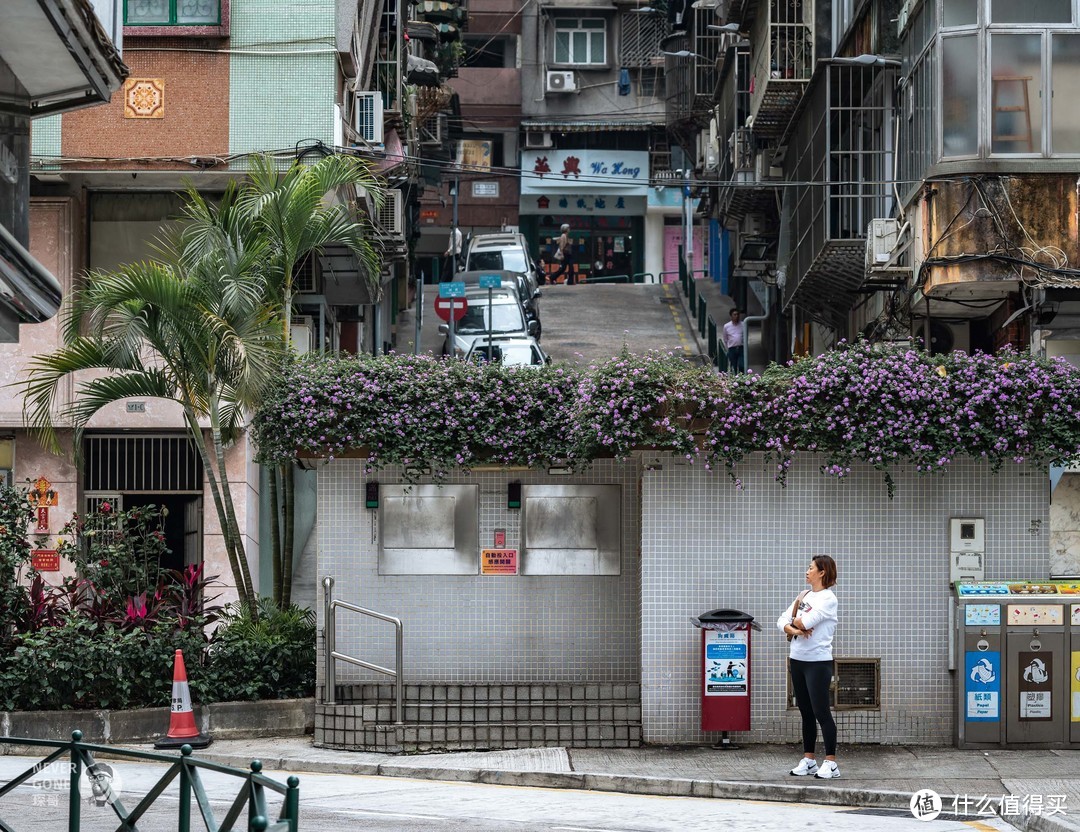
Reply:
x=182 y=728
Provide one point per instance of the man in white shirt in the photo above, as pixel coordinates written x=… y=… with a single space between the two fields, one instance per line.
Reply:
x=453 y=255
x=733 y=342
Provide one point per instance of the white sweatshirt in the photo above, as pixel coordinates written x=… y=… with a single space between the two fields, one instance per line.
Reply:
x=818 y=613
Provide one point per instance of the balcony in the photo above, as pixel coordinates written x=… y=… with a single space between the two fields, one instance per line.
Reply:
x=841 y=140
x=783 y=42
x=691 y=80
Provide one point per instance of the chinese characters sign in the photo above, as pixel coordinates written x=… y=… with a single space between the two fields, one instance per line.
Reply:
x=585 y=171
x=726 y=663
x=498 y=561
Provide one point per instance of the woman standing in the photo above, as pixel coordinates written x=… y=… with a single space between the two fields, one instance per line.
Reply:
x=810 y=624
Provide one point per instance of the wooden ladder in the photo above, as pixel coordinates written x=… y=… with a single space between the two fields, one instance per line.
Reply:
x=1019 y=83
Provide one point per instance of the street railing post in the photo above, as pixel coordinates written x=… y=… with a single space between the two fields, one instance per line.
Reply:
x=184 y=821
x=74 y=802
x=291 y=809
x=400 y=678
x=329 y=640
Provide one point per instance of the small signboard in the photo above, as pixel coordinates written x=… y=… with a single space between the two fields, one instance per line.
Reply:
x=500 y=538
x=45 y=560
x=498 y=561
x=726 y=663
x=42 y=520
x=452 y=289
x=982 y=685
x=1036 y=685
x=490 y=281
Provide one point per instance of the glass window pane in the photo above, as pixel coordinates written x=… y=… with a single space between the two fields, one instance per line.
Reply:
x=1015 y=93
x=138 y=12
x=562 y=47
x=1066 y=81
x=192 y=12
x=960 y=12
x=579 y=50
x=1030 y=11
x=597 y=54
x=592 y=23
x=960 y=99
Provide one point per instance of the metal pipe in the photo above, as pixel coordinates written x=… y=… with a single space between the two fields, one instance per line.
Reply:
x=764 y=316
x=329 y=626
x=400 y=678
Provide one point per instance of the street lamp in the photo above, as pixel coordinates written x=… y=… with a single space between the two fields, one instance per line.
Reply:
x=684 y=53
x=868 y=60
x=731 y=28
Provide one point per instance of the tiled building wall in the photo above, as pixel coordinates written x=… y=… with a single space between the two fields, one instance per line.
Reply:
x=287 y=93
x=706 y=545
x=478 y=628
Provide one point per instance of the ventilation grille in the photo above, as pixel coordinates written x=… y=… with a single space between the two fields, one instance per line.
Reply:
x=640 y=43
x=856 y=685
x=304 y=277
x=141 y=465
x=389 y=217
x=368 y=116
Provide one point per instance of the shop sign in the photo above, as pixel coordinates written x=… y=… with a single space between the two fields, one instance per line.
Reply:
x=498 y=561
x=429 y=214
x=585 y=171
x=563 y=204
x=726 y=663
x=45 y=560
x=1036 y=676
x=485 y=189
x=474 y=155
x=982 y=685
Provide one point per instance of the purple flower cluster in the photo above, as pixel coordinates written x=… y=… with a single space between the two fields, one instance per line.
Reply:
x=875 y=404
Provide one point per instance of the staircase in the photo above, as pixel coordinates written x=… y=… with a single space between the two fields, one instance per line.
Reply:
x=467 y=717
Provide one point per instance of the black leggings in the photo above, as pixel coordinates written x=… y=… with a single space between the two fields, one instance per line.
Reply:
x=811 y=682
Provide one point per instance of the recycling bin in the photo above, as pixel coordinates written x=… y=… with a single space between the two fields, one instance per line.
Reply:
x=725 y=669
x=1018 y=645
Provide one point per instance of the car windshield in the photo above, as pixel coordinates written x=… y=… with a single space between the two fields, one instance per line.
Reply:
x=505 y=317
x=507 y=259
x=510 y=355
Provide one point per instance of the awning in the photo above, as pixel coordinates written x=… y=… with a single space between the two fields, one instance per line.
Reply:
x=60 y=54
x=583 y=125
x=29 y=294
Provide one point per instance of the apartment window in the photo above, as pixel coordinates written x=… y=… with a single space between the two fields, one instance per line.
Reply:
x=1016 y=96
x=1031 y=11
x=172 y=12
x=581 y=40
x=1065 y=119
x=960 y=95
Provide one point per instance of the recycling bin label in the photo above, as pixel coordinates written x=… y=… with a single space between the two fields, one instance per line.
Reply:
x=726 y=665
x=983 y=685
x=1036 y=675
x=1074 y=686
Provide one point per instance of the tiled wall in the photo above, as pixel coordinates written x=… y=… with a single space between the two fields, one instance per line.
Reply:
x=707 y=545
x=283 y=74
x=476 y=628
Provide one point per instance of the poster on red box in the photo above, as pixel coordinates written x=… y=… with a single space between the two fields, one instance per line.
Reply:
x=498 y=561
x=45 y=560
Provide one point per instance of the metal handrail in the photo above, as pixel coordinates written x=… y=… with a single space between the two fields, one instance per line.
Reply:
x=332 y=656
x=80 y=757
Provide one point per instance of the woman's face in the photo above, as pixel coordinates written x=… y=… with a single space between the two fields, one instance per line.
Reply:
x=813 y=573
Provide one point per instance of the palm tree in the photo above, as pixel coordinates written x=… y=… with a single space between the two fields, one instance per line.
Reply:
x=199 y=327
x=292 y=213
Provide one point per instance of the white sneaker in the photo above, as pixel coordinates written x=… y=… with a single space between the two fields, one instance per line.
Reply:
x=829 y=770
x=807 y=765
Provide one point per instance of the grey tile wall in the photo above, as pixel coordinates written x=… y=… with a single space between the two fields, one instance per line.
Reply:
x=476 y=628
x=707 y=545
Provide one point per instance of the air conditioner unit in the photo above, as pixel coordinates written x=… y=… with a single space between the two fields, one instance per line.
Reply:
x=559 y=80
x=538 y=141
x=946 y=337
x=302 y=333
x=433 y=130
x=368 y=116
x=754 y=225
x=763 y=169
x=881 y=238
x=391 y=216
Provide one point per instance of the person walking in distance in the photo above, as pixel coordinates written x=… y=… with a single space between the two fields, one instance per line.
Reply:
x=733 y=342
x=809 y=624
x=564 y=255
x=452 y=255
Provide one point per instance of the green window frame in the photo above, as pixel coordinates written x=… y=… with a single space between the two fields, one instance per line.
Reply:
x=172 y=12
x=580 y=40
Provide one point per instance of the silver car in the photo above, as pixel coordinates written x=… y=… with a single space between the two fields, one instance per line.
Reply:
x=510 y=352
x=503 y=251
x=503 y=316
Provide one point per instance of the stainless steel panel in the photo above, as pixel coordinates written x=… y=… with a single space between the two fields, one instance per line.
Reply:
x=429 y=530
x=419 y=522
x=571 y=529
x=561 y=523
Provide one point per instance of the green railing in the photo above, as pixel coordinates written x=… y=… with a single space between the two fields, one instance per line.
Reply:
x=701 y=315
x=609 y=278
x=79 y=756
x=712 y=339
x=640 y=277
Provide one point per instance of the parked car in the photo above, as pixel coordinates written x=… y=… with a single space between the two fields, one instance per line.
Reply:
x=527 y=291
x=510 y=352
x=502 y=317
x=501 y=251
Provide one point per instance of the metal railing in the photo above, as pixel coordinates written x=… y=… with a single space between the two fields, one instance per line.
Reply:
x=330 y=605
x=80 y=756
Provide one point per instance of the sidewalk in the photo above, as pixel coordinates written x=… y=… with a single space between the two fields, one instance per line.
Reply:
x=719 y=306
x=873 y=776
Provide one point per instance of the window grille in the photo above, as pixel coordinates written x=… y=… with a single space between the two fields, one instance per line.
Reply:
x=132 y=464
x=304 y=277
x=640 y=39
x=856 y=685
